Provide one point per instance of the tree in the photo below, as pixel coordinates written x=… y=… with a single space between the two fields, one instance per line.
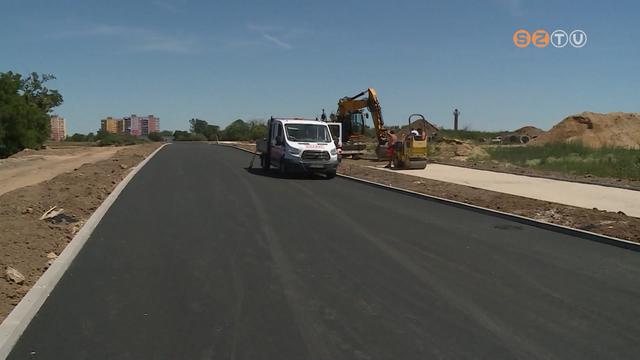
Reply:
x=25 y=104
x=198 y=126
x=258 y=130
x=237 y=130
x=211 y=132
x=155 y=136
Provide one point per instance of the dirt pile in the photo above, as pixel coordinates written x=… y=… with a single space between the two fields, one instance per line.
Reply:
x=445 y=148
x=419 y=124
x=596 y=130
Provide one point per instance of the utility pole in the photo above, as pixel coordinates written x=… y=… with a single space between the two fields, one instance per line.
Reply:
x=456 y=114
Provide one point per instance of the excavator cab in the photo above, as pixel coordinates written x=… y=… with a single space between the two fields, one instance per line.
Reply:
x=411 y=151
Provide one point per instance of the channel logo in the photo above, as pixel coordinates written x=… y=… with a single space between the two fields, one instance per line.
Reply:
x=541 y=38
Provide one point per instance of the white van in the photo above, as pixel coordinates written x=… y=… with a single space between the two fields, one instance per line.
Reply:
x=299 y=145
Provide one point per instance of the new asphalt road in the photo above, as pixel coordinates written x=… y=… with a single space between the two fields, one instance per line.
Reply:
x=200 y=258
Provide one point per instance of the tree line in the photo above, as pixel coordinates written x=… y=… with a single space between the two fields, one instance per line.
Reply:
x=239 y=130
x=25 y=107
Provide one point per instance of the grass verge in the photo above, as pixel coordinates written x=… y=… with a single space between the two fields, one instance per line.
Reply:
x=575 y=159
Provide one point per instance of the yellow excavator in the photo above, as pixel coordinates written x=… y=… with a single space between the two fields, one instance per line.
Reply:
x=409 y=152
x=352 y=117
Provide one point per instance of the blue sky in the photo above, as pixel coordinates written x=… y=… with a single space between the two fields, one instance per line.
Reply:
x=220 y=61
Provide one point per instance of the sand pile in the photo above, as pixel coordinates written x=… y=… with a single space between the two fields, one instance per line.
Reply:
x=530 y=131
x=458 y=150
x=596 y=130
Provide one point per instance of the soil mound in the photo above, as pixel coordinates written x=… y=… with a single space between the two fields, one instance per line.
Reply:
x=596 y=130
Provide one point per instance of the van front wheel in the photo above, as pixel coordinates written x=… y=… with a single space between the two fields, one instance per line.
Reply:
x=283 y=168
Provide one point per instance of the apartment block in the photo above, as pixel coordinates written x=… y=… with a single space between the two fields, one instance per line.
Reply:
x=109 y=124
x=134 y=125
x=58 y=130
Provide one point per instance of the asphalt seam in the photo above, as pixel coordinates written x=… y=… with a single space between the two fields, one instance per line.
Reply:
x=17 y=321
x=583 y=234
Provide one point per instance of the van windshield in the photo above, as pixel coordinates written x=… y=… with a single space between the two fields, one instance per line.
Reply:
x=308 y=133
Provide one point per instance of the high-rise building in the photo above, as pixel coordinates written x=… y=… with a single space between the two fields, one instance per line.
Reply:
x=134 y=125
x=58 y=131
x=109 y=124
x=149 y=124
x=141 y=125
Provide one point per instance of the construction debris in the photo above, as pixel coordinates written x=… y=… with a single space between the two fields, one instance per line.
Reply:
x=13 y=275
x=51 y=213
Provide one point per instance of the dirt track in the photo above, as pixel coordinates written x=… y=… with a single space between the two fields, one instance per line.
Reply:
x=31 y=167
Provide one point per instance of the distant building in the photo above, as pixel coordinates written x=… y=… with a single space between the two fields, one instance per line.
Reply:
x=109 y=125
x=134 y=125
x=149 y=124
x=141 y=125
x=58 y=130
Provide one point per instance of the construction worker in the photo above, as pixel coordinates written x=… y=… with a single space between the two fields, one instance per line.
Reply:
x=422 y=134
x=414 y=133
x=392 y=138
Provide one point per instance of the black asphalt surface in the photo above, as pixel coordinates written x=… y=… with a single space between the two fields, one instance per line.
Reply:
x=201 y=259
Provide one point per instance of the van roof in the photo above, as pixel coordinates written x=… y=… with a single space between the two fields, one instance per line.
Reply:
x=298 y=121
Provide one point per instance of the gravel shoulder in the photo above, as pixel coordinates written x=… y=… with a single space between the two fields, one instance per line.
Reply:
x=27 y=242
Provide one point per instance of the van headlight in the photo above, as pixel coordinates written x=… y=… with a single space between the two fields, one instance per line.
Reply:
x=294 y=151
x=334 y=152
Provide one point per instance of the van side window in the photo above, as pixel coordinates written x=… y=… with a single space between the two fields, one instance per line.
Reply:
x=274 y=132
x=280 y=131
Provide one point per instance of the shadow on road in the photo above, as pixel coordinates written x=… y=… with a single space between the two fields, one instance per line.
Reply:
x=273 y=173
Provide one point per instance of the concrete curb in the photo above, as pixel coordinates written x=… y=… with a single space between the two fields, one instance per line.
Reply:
x=14 y=325
x=588 y=235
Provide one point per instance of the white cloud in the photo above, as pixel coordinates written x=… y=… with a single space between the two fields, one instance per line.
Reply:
x=273 y=35
x=136 y=39
x=277 y=41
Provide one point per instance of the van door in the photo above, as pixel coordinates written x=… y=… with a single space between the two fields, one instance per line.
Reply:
x=277 y=148
x=336 y=133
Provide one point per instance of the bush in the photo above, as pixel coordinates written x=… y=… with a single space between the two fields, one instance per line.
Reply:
x=108 y=139
x=155 y=136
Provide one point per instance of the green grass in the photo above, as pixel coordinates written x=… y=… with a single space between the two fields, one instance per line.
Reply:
x=574 y=159
x=472 y=135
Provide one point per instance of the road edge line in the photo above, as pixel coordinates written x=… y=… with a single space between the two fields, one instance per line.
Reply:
x=584 y=234
x=20 y=317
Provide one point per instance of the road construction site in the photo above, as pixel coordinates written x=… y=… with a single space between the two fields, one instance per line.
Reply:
x=234 y=267
x=268 y=254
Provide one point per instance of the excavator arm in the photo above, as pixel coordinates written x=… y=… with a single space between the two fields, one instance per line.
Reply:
x=348 y=105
